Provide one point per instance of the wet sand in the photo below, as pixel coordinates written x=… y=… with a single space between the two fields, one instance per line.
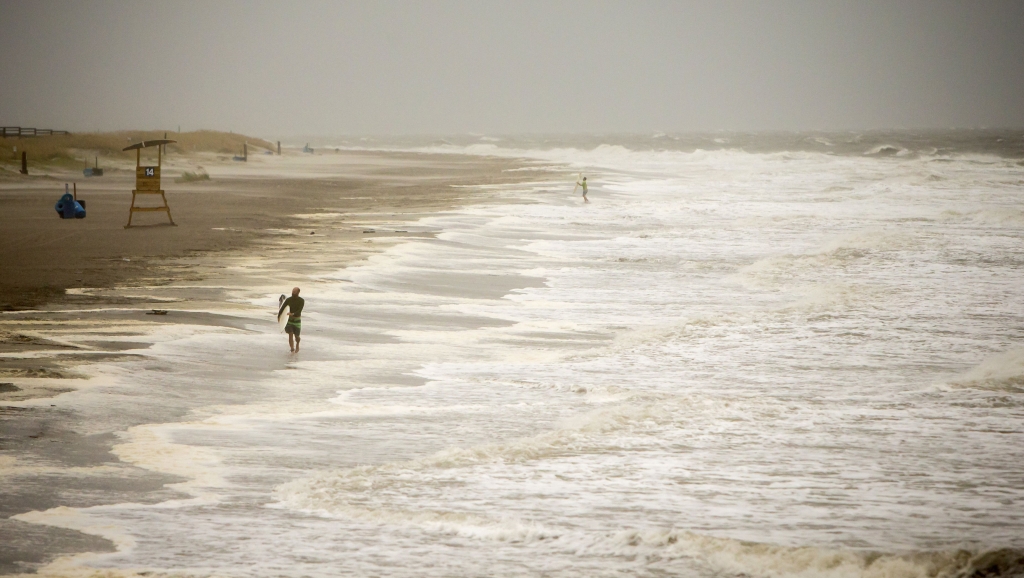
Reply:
x=42 y=255
x=78 y=292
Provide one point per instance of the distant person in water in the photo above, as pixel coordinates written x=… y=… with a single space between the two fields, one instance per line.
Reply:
x=584 y=185
x=294 y=326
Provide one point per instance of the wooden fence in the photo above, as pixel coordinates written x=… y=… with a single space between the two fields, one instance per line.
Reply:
x=18 y=131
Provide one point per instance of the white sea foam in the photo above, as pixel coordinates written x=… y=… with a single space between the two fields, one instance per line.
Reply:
x=888 y=150
x=1000 y=216
x=150 y=447
x=734 y=557
x=1003 y=372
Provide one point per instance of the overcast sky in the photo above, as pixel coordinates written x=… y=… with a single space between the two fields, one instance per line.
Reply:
x=415 y=67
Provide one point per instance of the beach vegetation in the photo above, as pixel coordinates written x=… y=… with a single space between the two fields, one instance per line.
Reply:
x=80 y=149
x=191 y=177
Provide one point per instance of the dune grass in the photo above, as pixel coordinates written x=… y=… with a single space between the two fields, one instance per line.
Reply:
x=191 y=177
x=75 y=149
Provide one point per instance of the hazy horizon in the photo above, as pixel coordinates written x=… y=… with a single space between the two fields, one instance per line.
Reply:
x=392 y=68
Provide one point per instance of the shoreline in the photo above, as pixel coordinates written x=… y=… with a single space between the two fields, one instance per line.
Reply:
x=119 y=269
x=242 y=204
x=47 y=350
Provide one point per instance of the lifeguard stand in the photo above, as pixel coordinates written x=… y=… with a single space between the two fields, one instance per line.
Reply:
x=147 y=179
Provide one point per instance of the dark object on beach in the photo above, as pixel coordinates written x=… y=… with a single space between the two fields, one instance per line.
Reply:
x=8 y=387
x=158 y=312
x=93 y=172
x=24 y=163
x=369 y=231
x=68 y=208
x=398 y=231
x=312 y=232
x=74 y=193
x=306 y=149
x=245 y=154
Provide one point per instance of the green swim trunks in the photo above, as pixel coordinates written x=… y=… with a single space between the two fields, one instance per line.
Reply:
x=294 y=326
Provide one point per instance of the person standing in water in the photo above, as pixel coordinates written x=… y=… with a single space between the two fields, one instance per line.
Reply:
x=294 y=326
x=584 y=185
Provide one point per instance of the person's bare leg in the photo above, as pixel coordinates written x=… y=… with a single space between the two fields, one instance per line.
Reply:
x=291 y=342
x=297 y=340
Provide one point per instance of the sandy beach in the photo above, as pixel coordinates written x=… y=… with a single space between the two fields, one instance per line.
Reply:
x=75 y=293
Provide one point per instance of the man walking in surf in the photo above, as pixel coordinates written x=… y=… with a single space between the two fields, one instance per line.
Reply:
x=584 y=185
x=294 y=326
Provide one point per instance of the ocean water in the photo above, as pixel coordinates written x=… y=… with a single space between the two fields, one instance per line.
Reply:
x=748 y=355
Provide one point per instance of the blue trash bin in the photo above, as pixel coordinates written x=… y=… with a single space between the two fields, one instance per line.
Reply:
x=68 y=208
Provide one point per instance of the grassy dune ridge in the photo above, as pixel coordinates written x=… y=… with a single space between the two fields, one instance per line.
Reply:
x=75 y=149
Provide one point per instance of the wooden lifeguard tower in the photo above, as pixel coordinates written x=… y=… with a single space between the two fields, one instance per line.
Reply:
x=147 y=179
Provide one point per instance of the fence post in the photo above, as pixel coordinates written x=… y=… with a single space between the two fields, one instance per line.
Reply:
x=24 y=162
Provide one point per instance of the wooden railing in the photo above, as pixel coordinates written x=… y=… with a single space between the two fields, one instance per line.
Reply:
x=18 y=131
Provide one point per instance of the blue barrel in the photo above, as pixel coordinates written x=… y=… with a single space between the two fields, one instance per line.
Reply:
x=65 y=207
x=68 y=208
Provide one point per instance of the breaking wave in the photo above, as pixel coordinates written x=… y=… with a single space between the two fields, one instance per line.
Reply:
x=1005 y=217
x=730 y=557
x=887 y=150
x=1003 y=372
